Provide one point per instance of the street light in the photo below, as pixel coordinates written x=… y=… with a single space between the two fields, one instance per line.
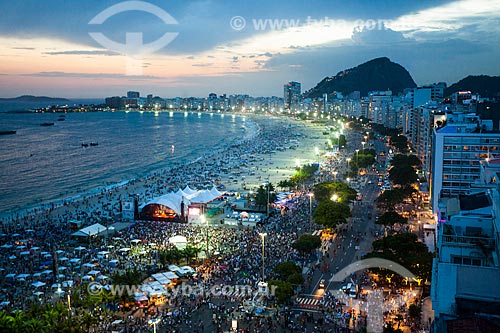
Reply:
x=363 y=143
x=348 y=160
x=311 y=195
x=263 y=236
x=357 y=156
x=335 y=175
x=154 y=322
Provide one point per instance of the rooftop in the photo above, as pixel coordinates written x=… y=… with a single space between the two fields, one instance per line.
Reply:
x=474 y=201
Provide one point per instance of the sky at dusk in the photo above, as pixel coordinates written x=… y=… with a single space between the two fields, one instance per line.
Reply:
x=192 y=48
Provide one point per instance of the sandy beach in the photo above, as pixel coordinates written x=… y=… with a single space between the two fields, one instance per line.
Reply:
x=272 y=154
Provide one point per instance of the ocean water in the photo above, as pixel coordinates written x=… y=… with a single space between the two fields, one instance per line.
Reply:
x=41 y=164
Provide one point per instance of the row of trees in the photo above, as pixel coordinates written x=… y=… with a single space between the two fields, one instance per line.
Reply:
x=406 y=250
x=362 y=160
x=174 y=256
x=46 y=319
x=403 y=173
x=302 y=174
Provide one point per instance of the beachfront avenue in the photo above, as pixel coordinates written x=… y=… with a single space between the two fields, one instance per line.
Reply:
x=263 y=267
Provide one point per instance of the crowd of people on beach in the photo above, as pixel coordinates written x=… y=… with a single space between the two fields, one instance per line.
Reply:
x=34 y=240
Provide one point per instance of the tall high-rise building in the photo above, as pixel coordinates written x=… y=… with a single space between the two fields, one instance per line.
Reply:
x=133 y=94
x=457 y=150
x=292 y=95
x=466 y=270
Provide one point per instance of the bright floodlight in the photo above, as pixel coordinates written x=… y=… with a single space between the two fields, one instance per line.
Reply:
x=335 y=197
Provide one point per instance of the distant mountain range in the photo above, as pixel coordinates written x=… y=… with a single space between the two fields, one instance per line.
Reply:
x=376 y=74
x=484 y=85
x=30 y=98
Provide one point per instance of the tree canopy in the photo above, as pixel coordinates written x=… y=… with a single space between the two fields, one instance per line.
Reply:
x=290 y=272
x=411 y=160
x=399 y=142
x=403 y=175
x=324 y=191
x=406 y=250
x=307 y=243
x=262 y=195
x=283 y=291
x=390 y=218
x=390 y=198
x=330 y=214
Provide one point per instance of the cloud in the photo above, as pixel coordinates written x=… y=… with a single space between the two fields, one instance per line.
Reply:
x=23 y=48
x=378 y=35
x=92 y=75
x=82 y=52
x=208 y=64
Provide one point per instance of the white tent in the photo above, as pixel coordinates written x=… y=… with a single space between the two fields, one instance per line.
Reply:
x=173 y=200
x=92 y=230
x=188 y=190
x=180 y=242
x=38 y=284
x=215 y=192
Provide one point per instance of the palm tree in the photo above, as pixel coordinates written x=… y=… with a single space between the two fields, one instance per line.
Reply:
x=87 y=320
x=190 y=252
x=19 y=320
x=6 y=321
x=51 y=317
x=35 y=325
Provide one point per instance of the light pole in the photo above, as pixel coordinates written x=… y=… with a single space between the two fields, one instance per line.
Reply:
x=363 y=143
x=263 y=236
x=357 y=156
x=311 y=195
x=335 y=175
x=348 y=160
x=154 y=322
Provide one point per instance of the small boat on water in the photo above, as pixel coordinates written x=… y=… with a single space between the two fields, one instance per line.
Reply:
x=7 y=132
x=47 y=124
x=92 y=144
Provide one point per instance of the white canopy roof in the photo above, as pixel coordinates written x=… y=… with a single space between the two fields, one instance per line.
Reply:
x=170 y=200
x=92 y=230
x=173 y=200
x=188 y=190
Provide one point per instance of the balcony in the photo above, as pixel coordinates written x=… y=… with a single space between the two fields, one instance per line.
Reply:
x=485 y=242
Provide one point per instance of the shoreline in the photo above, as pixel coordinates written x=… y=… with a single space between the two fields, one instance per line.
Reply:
x=78 y=194
x=103 y=202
